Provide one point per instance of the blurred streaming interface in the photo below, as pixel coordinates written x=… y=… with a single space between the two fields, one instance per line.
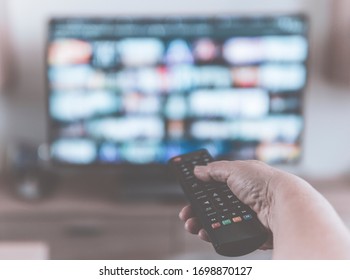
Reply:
x=138 y=91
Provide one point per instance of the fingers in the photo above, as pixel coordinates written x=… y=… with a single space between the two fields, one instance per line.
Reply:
x=193 y=226
x=186 y=213
x=203 y=235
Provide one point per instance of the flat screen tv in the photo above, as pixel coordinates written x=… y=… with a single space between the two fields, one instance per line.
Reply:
x=139 y=90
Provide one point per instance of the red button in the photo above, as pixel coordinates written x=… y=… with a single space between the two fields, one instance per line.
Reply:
x=237 y=219
x=177 y=159
x=215 y=225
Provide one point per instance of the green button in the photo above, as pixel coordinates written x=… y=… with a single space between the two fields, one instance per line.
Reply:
x=226 y=222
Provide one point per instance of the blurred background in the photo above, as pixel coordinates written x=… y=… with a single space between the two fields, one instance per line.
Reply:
x=95 y=97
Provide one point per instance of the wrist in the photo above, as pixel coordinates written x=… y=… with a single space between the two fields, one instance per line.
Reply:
x=286 y=191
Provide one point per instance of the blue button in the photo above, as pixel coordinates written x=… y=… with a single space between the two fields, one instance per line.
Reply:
x=247 y=217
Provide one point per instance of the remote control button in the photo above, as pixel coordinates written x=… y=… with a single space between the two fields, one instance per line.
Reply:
x=206 y=203
x=237 y=219
x=247 y=217
x=213 y=220
x=215 y=225
x=226 y=222
x=204 y=196
x=177 y=159
x=211 y=214
x=238 y=208
x=215 y=194
x=221 y=205
x=208 y=209
x=199 y=193
x=194 y=186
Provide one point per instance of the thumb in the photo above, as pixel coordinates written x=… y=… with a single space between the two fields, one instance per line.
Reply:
x=218 y=171
x=250 y=176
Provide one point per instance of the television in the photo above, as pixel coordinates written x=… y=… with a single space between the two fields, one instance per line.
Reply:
x=139 y=90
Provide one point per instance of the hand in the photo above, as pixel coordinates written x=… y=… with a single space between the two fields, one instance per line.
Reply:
x=251 y=181
x=289 y=207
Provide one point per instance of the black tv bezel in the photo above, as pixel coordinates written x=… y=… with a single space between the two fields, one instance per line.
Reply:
x=158 y=167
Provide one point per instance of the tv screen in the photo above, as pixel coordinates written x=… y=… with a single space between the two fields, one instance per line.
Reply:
x=141 y=90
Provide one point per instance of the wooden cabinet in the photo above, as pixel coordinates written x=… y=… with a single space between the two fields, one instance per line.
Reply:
x=94 y=237
x=83 y=225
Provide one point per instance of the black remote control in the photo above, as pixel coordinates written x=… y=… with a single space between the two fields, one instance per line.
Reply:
x=233 y=227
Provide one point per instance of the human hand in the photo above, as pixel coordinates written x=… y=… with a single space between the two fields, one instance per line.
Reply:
x=253 y=182
x=290 y=208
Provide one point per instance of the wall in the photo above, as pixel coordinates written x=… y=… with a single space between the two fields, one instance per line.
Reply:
x=326 y=107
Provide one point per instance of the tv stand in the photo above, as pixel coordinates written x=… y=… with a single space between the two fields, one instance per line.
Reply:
x=150 y=190
x=83 y=219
